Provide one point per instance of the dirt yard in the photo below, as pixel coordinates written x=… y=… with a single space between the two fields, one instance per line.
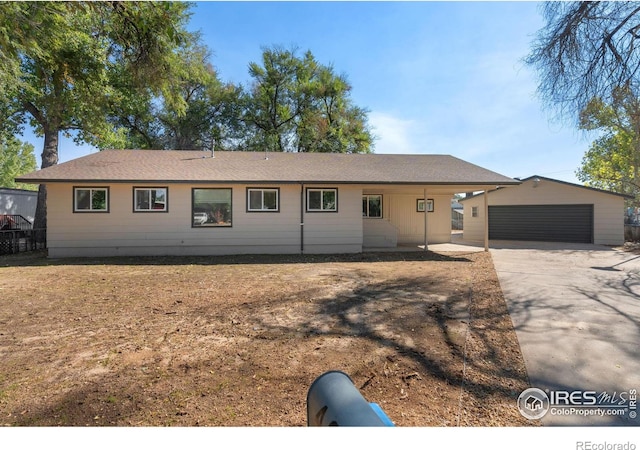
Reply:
x=237 y=341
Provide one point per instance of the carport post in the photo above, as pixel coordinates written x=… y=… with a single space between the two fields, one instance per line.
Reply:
x=486 y=220
x=426 y=241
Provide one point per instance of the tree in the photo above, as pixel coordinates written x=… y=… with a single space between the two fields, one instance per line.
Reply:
x=278 y=97
x=70 y=63
x=298 y=105
x=613 y=159
x=333 y=123
x=209 y=119
x=16 y=158
x=586 y=50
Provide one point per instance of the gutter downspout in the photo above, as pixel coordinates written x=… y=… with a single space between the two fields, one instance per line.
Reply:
x=302 y=218
x=486 y=220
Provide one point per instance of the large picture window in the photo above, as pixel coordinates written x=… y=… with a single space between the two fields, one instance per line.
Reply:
x=263 y=200
x=372 y=206
x=91 y=199
x=322 y=200
x=211 y=207
x=150 y=199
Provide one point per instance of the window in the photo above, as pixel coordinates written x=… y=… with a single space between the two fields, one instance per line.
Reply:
x=322 y=200
x=90 y=199
x=420 y=205
x=372 y=206
x=211 y=207
x=263 y=200
x=474 y=211
x=150 y=199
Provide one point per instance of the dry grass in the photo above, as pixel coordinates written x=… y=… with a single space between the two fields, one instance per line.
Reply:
x=238 y=341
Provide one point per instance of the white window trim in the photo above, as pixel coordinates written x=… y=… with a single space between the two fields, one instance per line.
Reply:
x=322 y=191
x=381 y=200
x=262 y=191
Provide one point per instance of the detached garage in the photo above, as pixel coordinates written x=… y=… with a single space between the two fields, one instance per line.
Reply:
x=544 y=209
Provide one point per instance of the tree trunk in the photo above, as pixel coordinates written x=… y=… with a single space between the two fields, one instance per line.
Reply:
x=49 y=158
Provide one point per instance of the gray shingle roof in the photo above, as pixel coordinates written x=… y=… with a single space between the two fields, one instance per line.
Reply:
x=140 y=166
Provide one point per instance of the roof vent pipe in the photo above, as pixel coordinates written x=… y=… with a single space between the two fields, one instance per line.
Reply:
x=210 y=150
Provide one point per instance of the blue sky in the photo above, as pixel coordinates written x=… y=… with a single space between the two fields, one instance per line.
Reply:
x=436 y=77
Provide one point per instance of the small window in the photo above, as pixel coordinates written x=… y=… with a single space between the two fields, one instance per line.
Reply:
x=372 y=206
x=150 y=199
x=91 y=199
x=474 y=211
x=421 y=205
x=263 y=200
x=211 y=207
x=322 y=200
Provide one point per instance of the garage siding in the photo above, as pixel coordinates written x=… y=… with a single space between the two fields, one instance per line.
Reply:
x=608 y=208
x=551 y=223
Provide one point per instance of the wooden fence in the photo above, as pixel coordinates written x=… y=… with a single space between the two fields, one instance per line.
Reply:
x=632 y=233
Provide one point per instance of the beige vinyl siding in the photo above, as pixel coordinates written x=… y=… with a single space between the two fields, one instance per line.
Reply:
x=409 y=222
x=379 y=233
x=608 y=209
x=473 y=227
x=335 y=232
x=608 y=226
x=123 y=232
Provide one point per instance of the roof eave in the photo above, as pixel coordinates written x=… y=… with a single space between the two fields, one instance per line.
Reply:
x=165 y=181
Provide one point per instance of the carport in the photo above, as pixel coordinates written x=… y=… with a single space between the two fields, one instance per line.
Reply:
x=544 y=209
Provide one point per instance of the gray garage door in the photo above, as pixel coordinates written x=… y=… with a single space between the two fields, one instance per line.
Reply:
x=557 y=223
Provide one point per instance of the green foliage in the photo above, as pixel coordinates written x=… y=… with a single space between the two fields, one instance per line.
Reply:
x=210 y=116
x=612 y=161
x=65 y=65
x=128 y=75
x=16 y=158
x=69 y=63
x=295 y=104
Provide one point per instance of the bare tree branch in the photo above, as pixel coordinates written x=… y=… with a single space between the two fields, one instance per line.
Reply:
x=585 y=50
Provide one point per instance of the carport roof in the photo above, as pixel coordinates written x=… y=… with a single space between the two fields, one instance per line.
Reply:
x=171 y=166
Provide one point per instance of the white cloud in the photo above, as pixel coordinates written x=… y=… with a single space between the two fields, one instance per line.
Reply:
x=393 y=134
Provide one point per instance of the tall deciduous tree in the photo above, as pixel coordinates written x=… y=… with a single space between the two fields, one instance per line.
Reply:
x=297 y=104
x=586 y=50
x=16 y=158
x=69 y=63
x=613 y=159
x=211 y=109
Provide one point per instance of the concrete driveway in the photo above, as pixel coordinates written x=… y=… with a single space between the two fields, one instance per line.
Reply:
x=576 y=311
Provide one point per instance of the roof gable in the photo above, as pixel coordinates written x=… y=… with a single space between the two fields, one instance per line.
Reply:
x=566 y=183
